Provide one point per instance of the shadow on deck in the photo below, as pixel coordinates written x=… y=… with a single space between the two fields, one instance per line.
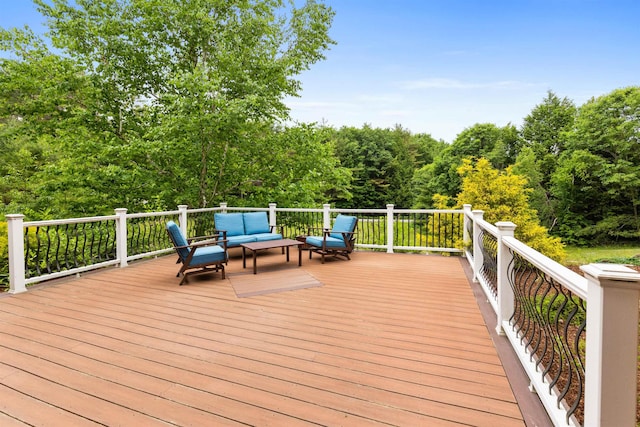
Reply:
x=389 y=339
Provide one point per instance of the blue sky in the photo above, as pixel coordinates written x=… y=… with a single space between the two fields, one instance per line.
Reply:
x=440 y=66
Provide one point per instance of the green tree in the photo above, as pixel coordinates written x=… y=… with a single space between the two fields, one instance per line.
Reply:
x=503 y=196
x=382 y=163
x=545 y=132
x=303 y=172
x=545 y=129
x=367 y=153
x=44 y=113
x=440 y=177
x=499 y=145
x=189 y=87
x=597 y=181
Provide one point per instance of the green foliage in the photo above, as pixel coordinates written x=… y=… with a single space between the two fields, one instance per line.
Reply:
x=147 y=104
x=556 y=309
x=499 y=145
x=597 y=181
x=545 y=128
x=503 y=196
x=304 y=172
x=382 y=163
x=143 y=110
x=544 y=135
x=446 y=227
x=210 y=80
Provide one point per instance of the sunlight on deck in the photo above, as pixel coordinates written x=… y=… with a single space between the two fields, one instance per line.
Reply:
x=389 y=339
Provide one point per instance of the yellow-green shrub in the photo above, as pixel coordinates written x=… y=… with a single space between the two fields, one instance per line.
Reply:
x=503 y=196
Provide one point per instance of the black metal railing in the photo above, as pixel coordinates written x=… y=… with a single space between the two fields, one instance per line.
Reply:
x=200 y=223
x=299 y=223
x=551 y=323
x=55 y=248
x=489 y=268
x=371 y=229
x=148 y=233
x=445 y=229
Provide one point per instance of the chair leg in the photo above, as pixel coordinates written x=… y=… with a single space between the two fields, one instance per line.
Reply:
x=184 y=279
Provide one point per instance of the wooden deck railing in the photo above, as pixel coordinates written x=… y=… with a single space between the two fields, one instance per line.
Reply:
x=547 y=312
x=576 y=337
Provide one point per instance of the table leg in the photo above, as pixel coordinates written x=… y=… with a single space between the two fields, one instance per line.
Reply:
x=255 y=269
x=287 y=253
x=244 y=262
x=299 y=255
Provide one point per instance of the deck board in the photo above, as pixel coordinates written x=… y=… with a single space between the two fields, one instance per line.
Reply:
x=390 y=339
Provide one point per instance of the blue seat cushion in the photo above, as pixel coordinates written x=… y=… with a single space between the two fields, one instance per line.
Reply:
x=232 y=223
x=238 y=240
x=343 y=223
x=256 y=223
x=262 y=237
x=206 y=255
x=332 y=242
x=178 y=238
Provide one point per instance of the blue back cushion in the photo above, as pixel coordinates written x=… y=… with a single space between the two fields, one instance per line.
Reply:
x=231 y=222
x=256 y=222
x=343 y=223
x=177 y=238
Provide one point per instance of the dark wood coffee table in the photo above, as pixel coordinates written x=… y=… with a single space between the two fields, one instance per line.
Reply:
x=269 y=244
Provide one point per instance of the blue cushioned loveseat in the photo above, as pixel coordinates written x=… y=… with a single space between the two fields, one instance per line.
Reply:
x=245 y=227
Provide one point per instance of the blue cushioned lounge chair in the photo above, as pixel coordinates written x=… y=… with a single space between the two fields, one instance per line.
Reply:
x=207 y=253
x=339 y=241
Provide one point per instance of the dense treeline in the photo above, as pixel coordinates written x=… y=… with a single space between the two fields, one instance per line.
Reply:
x=582 y=165
x=133 y=109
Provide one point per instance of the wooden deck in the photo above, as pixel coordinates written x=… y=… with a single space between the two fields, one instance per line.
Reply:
x=389 y=339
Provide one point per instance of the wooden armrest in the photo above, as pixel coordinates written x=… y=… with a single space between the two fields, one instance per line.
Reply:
x=200 y=243
x=208 y=242
x=200 y=238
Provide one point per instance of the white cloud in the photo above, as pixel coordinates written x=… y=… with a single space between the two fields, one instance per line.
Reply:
x=396 y=113
x=382 y=99
x=442 y=83
x=312 y=105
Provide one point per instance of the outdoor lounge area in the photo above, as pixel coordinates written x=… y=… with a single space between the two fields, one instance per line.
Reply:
x=388 y=339
x=435 y=317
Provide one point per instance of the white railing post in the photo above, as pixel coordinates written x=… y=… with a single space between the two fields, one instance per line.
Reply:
x=612 y=345
x=15 y=235
x=390 y=235
x=326 y=216
x=478 y=258
x=466 y=209
x=272 y=214
x=182 y=219
x=223 y=206
x=121 y=236
x=505 y=293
